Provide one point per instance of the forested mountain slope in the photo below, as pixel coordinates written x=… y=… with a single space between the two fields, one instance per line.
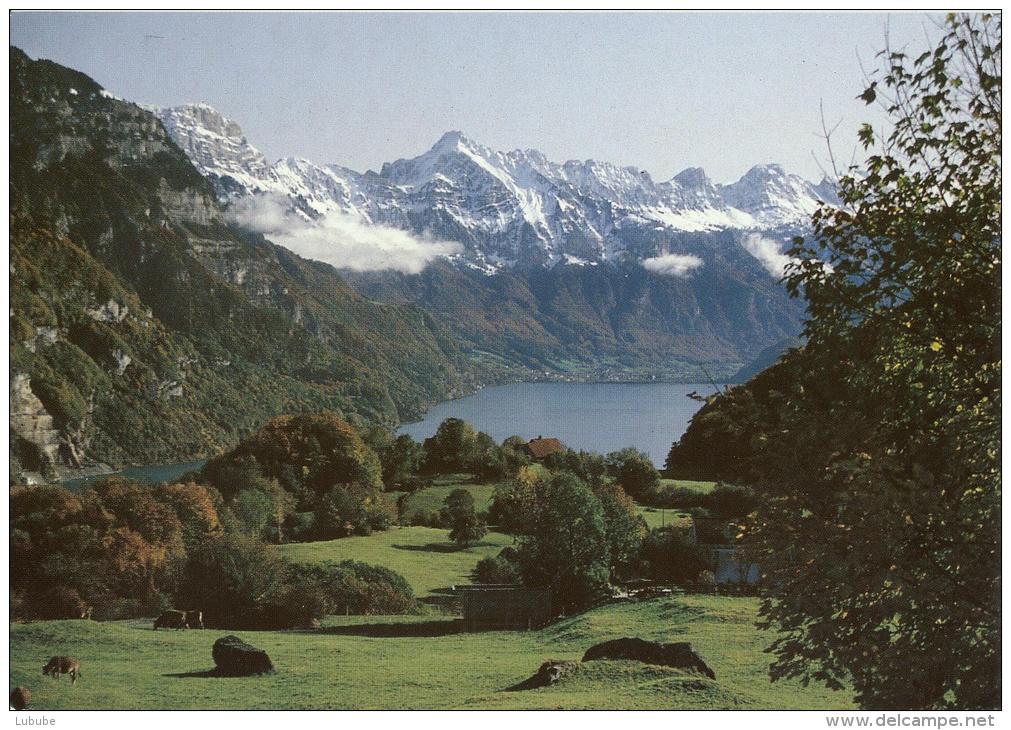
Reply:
x=144 y=328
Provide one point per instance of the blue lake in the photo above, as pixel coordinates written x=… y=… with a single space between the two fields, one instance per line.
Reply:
x=153 y=474
x=599 y=417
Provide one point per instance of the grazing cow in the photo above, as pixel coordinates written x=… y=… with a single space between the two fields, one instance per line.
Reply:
x=171 y=619
x=195 y=619
x=63 y=665
x=20 y=697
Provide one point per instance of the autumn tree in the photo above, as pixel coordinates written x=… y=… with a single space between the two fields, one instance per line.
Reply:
x=307 y=454
x=879 y=526
x=194 y=505
x=623 y=525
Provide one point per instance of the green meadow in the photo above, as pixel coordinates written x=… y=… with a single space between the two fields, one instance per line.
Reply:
x=425 y=661
x=431 y=499
x=425 y=556
x=417 y=663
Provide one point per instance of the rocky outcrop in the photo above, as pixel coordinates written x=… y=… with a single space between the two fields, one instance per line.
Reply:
x=20 y=698
x=186 y=206
x=122 y=361
x=29 y=418
x=235 y=658
x=547 y=674
x=680 y=655
x=110 y=311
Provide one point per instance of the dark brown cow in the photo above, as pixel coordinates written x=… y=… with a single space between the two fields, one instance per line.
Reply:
x=195 y=619
x=171 y=619
x=63 y=665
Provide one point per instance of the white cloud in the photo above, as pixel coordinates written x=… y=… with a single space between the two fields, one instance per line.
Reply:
x=672 y=264
x=343 y=241
x=768 y=254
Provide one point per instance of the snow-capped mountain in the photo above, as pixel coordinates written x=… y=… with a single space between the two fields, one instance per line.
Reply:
x=505 y=208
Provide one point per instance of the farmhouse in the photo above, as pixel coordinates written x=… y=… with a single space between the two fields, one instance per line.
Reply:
x=540 y=447
x=716 y=538
x=504 y=607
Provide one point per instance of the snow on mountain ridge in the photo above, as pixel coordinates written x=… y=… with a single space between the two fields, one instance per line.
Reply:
x=502 y=206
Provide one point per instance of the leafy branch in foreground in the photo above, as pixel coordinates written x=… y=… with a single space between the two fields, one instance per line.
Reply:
x=880 y=531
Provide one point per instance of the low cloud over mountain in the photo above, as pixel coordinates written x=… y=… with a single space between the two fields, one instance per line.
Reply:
x=340 y=239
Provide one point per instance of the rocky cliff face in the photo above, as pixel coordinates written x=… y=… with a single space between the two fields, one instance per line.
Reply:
x=29 y=419
x=144 y=328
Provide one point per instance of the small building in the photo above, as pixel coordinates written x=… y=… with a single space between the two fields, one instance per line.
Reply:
x=731 y=567
x=504 y=607
x=540 y=447
x=729 y=564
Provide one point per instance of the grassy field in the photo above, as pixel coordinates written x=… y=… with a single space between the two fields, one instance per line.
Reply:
x=703 y=487
x=432 y=499
x=656 y=517
x=417 y=663
x=423 y=555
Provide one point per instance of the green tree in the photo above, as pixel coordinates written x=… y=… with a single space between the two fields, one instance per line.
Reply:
x=453 y=448
x=634 y=471
x=566 y=548
x=229 y=575
x=401 y=461
x=501 y=568
x=880 y=470
x=458 y=512
x=514 y=455
x=487 y=461
x=514 y=504
x=589 y=466
x=262 y=509
x=352 y=509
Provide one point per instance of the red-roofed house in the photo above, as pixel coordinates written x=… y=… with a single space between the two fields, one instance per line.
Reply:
x=540 y=447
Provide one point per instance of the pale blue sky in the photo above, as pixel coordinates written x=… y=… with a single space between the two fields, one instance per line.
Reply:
x=658 y=91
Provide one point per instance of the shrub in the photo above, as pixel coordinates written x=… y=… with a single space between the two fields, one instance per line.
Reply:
x=730 y=501
x=349 y=587
x=683 y=498
x=230 y=575
x=497 y=569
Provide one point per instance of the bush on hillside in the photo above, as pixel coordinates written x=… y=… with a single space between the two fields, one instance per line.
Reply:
x=501 y=568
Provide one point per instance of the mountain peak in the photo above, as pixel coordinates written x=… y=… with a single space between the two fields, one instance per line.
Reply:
x=765 y=171
x=692 y=177
x=451 y=140
x=505 y=208
x=202 y=115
